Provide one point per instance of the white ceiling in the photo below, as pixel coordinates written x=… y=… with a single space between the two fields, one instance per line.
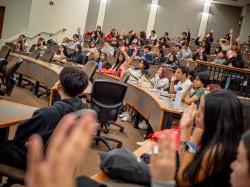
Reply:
x=240 y=3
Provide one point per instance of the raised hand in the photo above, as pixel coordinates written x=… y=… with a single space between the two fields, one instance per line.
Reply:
x=67 y=149
x=163 y=164
x=187 y=118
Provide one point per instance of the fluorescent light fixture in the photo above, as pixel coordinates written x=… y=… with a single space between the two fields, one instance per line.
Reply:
x=154 y=2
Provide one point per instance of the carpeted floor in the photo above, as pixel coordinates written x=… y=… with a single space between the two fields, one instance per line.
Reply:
x=91 y=165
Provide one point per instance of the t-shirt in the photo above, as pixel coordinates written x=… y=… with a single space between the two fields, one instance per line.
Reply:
x=199 y=93
x=183 y=85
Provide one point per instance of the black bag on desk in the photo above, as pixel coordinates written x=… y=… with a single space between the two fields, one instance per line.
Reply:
x=122 y=165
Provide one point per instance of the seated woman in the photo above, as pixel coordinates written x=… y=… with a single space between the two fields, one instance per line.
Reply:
x=65 y=41
x=99 y=32
x=92 y=47
x=172 y=61
x=197 y=89
x=139 y=75
x=159 y=57
x=102 y=60
x=161 y=79
x=94 y=37
x=220 y=58
x=240 y=176
x=200 y=54
x=206 y=155
x=76 y=57
x=21 y=44
x=107 y=48
x=41 y=45
x=61 y=54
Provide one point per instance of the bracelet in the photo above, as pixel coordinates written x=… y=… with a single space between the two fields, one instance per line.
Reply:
x=191 y=147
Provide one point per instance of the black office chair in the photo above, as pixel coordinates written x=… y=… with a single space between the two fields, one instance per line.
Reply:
x=47 y=56
x=34 y=54
x=90 y=69
x=12 y=46
x=32 y=48
x=8 y=79
x=5 y=51
x=107 y=99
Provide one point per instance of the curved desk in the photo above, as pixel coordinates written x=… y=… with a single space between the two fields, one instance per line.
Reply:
x=41 y=71
x=156 y=109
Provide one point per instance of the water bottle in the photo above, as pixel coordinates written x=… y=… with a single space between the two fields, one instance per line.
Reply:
x=178 y=97
x=100 y=66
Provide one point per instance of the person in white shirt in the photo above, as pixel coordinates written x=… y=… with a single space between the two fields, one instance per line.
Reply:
x=77 y=39
x=181 y=75
x=160 y=80
x=108 y=49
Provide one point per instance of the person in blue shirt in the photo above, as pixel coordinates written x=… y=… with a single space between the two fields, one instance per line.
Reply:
x=147 y=54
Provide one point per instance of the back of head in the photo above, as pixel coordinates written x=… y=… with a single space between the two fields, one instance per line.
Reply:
x=73 y=81
x=204 y=78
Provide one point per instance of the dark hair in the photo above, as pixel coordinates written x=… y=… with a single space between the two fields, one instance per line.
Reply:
x=42 y=40
x=143 y=35
x=64 y=50
x=76 y=36
x=145 y=64
x=223 y=126
x=214 y=87
x=153 y=31
x=184 y=33
x=246 y=141
x=73 y=80
x=148 y=47
x=184 y=69
x=204 y=78
x=79 y=47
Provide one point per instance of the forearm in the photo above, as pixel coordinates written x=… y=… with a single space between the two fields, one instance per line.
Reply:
x=172 y=90
x=162 y=184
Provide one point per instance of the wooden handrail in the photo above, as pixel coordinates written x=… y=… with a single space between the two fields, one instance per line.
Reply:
x=39 y=34
x=225 y=67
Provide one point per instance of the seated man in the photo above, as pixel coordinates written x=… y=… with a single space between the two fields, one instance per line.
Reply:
x=181 y=78
x=73 y=82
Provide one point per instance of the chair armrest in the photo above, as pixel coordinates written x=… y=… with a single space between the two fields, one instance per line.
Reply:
x=12 y=172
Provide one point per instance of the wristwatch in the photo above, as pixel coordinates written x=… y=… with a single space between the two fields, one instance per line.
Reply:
x=191 y=147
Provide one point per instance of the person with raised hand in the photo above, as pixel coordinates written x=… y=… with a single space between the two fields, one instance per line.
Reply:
x=163 y=164
x=66 y=150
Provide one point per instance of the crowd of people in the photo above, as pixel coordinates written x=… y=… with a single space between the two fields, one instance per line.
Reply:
x=214 y=135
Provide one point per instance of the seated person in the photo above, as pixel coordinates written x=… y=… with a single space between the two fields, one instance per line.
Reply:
x=21 y=44
x=147 y=54
x=220 y=58
x=197 y=89
x=186 y=53
x=160 y=80
x=92 y=47
x=218 y=128
x=99 y=32
x=114 y=42
x=240 y=176
x=76 y=56
x=181 y=77
x=153 y=36
x=200 y=54
x=73 y=82
x=65 y=41
x=172 y=61
x=61 y=54
x=94 y=38
x=77 y=39
x=177 y=51
x=102 y=60
x=159 y=57
x=108 y=49
x=138 y=75
x=234 y=57
x=41 y=46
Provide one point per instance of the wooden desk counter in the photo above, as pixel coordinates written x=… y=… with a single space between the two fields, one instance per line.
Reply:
x=13 y=113
x=153 y=107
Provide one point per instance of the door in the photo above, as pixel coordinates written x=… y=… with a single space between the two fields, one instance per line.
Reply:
x=2 y=11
